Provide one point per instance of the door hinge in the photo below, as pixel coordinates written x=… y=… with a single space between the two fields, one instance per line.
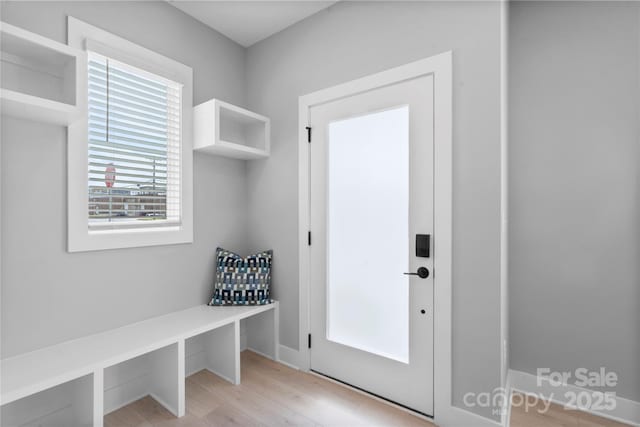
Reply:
x=309 y=341
x=309 y=238
x=308 y=133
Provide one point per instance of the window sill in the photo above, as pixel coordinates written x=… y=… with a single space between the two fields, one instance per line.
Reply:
x=95 y=240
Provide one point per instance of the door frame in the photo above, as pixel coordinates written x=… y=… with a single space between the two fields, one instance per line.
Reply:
x=440 y=66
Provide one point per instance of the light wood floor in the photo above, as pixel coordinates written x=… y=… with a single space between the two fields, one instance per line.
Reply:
x=272 y=394
x=555 y=416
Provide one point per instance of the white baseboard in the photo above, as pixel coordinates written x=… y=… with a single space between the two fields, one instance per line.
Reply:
x=253 y=350
x=123 y=403
x=458 y=417
x=161 y=401
x=219 y=374
x=125 y=393
x=626 y=411
x=289 y=357
x=194 y=363
x=506 y=408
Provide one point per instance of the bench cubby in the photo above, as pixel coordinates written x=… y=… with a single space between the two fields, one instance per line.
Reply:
x=261 y=334
x=157 y=373
x=66 y=404
x=218 y=351
x=109 y=370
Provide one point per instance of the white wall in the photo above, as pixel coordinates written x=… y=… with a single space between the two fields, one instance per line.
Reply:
x=575 y=188
x=354 y=39
x=49 y=295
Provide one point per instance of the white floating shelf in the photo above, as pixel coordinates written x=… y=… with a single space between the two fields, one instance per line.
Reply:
x=39 y=77
x=226 y=130
x=16 y=104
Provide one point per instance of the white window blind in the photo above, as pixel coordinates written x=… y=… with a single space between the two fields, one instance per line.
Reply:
x=134 y=133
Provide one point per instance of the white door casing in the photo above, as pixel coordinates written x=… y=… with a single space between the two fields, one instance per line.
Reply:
x=440 y=66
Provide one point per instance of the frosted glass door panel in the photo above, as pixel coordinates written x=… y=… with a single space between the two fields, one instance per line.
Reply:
x=368 y=233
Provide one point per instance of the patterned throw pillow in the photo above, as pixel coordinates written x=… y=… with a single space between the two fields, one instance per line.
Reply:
x=242 y=281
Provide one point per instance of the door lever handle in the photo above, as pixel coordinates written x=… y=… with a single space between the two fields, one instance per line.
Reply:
x=423 y=273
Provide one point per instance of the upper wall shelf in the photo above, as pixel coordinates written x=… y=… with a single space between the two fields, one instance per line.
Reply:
x=227 y=130
x=39 y=77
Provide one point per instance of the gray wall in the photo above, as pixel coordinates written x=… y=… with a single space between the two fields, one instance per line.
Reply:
x=574 y=189
x=354 y=39
x=49 y=295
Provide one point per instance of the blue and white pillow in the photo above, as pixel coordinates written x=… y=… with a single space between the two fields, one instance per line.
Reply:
x=242 y=281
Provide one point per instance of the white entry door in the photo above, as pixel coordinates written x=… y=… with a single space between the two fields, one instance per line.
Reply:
x=371 y=217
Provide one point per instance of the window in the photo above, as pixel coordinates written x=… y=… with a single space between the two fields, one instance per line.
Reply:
x=130 y=158
x=134 y=146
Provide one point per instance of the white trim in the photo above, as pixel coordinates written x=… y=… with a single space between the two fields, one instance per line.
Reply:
x=221 y=375
x=441 y=67
x=166 y=405
x=289 y=357
x=80 y=237
x=506 y=404
x=504 y=208
x=626 y=411
x=121 y=388
x=263 y=354
x=458 y=417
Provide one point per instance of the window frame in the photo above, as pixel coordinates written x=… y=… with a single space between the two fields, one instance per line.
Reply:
x=80 y=236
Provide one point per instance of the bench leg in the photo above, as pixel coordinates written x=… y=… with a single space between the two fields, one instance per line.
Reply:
x=222 y=352
x=182 y=406
x=98 y=397
x=167 y=377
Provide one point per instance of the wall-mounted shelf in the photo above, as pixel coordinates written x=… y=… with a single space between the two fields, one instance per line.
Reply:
x=39 y=77
x=226 y=130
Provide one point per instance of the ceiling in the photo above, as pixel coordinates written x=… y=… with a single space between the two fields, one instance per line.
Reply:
x=248 y=22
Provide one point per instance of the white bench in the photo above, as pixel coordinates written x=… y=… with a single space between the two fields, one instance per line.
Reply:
x=49 y=377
